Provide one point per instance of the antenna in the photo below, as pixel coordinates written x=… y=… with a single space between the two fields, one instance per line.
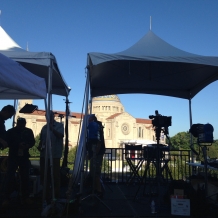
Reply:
x=0 y=17
x=150 y=22
x=27 y=47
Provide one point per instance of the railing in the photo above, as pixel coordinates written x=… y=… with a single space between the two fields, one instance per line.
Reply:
x=116 y=169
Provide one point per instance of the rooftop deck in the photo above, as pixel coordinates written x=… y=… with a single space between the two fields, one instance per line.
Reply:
x=122 y=198
x=118 y=201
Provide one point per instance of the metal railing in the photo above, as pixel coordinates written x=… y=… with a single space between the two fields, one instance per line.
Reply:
x=116 y=169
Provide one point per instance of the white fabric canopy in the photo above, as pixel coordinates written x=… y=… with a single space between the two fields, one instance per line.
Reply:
x=151 y=66
x=37 y=63
x=18 y=83
x=44 y=65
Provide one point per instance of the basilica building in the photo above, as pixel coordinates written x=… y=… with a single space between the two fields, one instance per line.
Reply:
x=119 y=126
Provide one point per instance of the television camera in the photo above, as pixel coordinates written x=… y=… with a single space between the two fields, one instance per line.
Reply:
x=159 y=121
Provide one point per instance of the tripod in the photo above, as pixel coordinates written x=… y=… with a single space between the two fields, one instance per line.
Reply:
x=93 y=195
x=153 y=155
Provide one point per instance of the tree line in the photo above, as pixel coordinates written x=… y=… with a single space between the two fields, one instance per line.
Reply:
x=181 y=141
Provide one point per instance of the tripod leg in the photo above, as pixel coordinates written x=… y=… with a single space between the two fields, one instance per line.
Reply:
x=94 y=163
x=143 y=179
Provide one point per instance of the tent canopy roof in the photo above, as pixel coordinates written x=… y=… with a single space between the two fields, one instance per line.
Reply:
x=37 y=63
x=18 y=83
x=151 y=66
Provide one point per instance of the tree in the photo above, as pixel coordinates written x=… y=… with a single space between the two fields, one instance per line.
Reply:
x=4 y=152
x=71 y=157
x=180 y=141
x=34 y=151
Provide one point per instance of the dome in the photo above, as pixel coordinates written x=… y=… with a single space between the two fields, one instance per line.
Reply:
x=107 y=98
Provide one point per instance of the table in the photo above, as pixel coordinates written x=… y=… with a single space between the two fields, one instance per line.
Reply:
x=202 y=166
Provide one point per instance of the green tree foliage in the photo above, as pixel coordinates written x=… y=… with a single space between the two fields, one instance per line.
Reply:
x=181 y=141
x=213 y=150
x=34 y=151
x=71 y=157
x=4 y=152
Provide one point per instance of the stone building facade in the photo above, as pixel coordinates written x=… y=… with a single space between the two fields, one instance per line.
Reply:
x=119 y=125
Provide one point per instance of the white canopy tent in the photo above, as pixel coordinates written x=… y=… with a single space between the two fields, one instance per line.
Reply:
x=44 y=65
x=150 y=66
x=18 y=83
x=41 y=64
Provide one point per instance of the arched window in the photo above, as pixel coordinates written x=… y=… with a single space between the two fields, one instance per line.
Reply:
x=139 y=132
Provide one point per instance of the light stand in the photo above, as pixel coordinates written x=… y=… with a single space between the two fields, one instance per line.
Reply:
x=93 y=195
x=204 y=152
x=204 y=133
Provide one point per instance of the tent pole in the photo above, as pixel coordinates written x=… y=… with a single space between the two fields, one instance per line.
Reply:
x=49 y=131
x=66 y=149
x=48 y=139
x=79 y=158
x=191 y=137
x=85 y=124
x=90 y=109
x=46 y=159
x=15 y=106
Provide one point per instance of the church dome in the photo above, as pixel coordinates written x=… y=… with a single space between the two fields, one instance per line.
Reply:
x=107 y=98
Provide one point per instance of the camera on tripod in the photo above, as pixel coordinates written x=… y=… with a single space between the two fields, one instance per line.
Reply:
x=161 y=121
x=204 y=133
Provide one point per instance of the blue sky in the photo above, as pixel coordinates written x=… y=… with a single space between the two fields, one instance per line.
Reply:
x=70 y=29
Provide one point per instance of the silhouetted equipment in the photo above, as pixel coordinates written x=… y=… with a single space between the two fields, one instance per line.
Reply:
x=159 y=121
x=204 y=133
x=28 y=108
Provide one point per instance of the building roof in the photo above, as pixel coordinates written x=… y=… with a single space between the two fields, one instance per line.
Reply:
x=74 y=122
x=41 y=120
x=106 y=98
x=143 y=121
x=113 y=116
x=57 y=113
